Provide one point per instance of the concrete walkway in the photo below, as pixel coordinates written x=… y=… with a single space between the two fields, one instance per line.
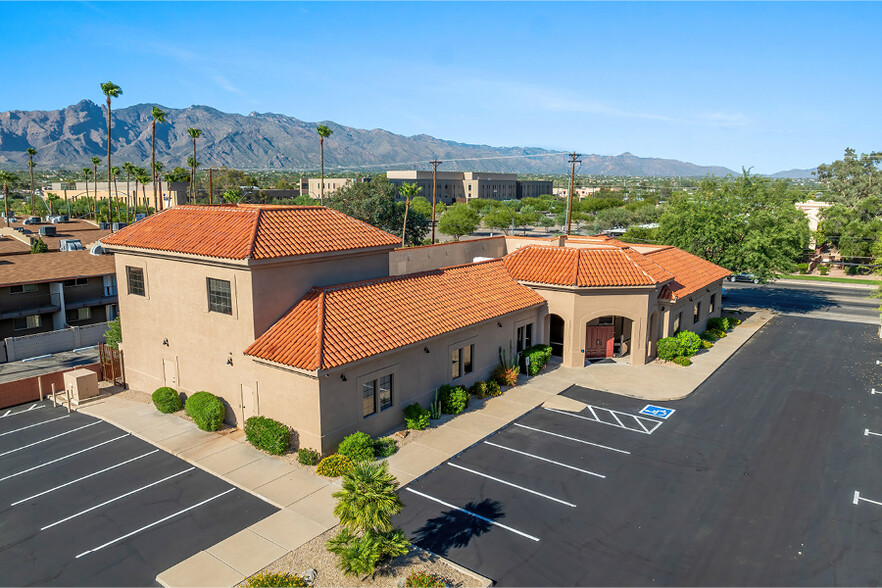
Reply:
x=306 y=500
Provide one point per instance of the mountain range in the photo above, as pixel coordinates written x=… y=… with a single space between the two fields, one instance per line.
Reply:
x=69 y=137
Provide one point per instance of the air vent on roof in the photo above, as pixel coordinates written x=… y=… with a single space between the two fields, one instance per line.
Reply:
x=97 y=250
x=48 y=231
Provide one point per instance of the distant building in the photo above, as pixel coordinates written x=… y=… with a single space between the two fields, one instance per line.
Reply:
x=812 y=210
x=464 y=186
x=172 y=193
x=313 y=186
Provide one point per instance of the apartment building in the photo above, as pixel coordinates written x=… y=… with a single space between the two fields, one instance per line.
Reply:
x=464 y=186
x=313 y=186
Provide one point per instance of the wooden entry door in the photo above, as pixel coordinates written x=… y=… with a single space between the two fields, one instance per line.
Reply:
x=599 y=341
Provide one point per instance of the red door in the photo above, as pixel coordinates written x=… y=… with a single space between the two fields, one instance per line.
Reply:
x=599 y=341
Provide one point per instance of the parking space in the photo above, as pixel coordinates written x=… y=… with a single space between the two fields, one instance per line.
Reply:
x=85 y=503
x=761 y=477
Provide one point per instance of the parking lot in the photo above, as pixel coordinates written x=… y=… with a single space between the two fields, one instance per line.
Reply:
x=766 y=475
x=85 y=503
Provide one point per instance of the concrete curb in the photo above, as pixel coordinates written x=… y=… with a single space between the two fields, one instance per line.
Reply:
x=825 y=282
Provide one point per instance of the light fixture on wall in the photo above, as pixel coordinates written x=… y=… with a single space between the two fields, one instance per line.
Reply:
x=343 y=377
x=230 y=360
x=426 y=349
x=499 y=325
x=165 y=342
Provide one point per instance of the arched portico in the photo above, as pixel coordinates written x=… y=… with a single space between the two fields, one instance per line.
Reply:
x=611 y=333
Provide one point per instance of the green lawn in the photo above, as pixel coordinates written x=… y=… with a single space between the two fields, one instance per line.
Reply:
x=830 y=279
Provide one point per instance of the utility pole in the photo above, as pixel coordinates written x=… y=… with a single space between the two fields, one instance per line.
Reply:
x=574 y=159
x=210 y=192
x=435 y=163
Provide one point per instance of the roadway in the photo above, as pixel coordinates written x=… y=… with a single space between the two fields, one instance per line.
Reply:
x=822 y=300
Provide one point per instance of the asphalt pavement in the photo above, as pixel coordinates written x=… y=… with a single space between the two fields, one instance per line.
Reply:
x=767 y=475
x=824 y=300
x=28 y=368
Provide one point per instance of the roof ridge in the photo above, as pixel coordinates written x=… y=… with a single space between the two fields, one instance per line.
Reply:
x=320 y=331
x=254 y=234
x=384 y=279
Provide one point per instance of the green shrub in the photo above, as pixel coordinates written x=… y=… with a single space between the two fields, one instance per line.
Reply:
x=479 y=389
x=689 y=343
x=358 y=447
x=424 y=580
x=708 y=336
x=823 y=270
x=719 y=333
x=735 y=321
x=333 y=466
x=718 y=324
x=206 y=410
x=669 y=348
x=416 y=417
x=167 y=400
x=308 y=456
x=539 y=356
x=267 y=434
x=493 y=388
x=802 y=267
x=384 y=447
x=706 y=344
x=454 y=400
x=684 y=361
x=269 y=580
x=39 y=246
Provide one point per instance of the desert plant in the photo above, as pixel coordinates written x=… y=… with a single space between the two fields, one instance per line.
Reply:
x=167 y=400
x=279 y=580
x=506 y=376
x=435 y=407
x=424 y=580
x=358 y=447
x=268 y=434
x=684 y=361
x=334 y=465
x=454 y=400
x=308 y=456
x=416 y=417
x=384 y=447
x=206 y=410
x=689 y=343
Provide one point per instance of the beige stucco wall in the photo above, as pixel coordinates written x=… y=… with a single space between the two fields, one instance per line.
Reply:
x=429 y=257
x=686 y=305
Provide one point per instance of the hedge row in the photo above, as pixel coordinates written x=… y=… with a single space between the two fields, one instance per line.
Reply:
x=268 y=434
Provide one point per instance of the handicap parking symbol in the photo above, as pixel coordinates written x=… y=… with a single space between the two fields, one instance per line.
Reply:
x=657 y=411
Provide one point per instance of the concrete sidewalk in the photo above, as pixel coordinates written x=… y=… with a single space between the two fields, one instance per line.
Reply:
x=305 y=499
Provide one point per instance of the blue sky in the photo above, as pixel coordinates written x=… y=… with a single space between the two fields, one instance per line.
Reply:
x=769 y=85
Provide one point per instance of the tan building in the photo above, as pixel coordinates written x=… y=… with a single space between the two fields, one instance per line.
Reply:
x=171 y=193
x=291 y=312
x=464 y=186
x=313 y=186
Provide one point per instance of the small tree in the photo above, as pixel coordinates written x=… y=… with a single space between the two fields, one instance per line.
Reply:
x=459 y=220
x=366 y=504
x=113 y=334
x=39 y=246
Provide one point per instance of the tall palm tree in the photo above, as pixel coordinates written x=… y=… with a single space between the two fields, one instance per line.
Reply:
x=144 y=177
x=194 y=134
x=114 y=171
x=86 y=173
x=31 y=152
x=7 y=178
x=110 y=90
x=128 y=168
x=157 y=169
x=95 y=162
x=158 y=116
x=408 y=191
x=323 y=132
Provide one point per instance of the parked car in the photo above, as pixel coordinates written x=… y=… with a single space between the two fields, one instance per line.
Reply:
x=744 y=277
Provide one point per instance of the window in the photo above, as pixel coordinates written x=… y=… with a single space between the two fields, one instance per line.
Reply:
x=524 y=337
x=23 y=288
x=697 y=315
x=376 y=395
x=135 y=277
x=368 y=398
x=455 y=364
x=219 y=299
x=79 y=314
x=677 y=322
x=385 y=397
x=713 y=304
x=76 y=282
x=467 y=353
x=28 y=322
x=461 y=361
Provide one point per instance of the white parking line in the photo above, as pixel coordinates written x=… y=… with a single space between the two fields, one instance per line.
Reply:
x=857 y=498
x=868 y=432
x=43 y=465
x=120 y=497
x=160 y=521
x=9 y=412
x=572 y=439
x=50 y=438
x=596 y=419
x=34 y=425
x=471 y=514
x=489 y=477
x=546 y=459
x=83 y=478
x=873 y=391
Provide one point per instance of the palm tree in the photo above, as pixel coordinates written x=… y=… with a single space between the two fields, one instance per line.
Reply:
x=323 y=132
x=7 y=178
x=114 y=171
x=408 y=191
x=95 y=162
x=31 y=152
x=144 y=177
x=158 y=116
x=367 y=500
x=86 y=173
x=128 y=168
x=194 y=134
x=157 y=169
x=110 y=90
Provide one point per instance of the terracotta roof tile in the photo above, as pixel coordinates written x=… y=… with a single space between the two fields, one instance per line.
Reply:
x=568 y=266
x=691 y=273
x=336 y=325
x=250 y=231
x=53 y=267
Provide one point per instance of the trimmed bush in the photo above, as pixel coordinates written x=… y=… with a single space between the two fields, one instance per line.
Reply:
x=384 y=447
x=802 y=267
x=479 y=389
x=269 y=580
x=358 y=447
x=706 y=344
x=684 y=361
x=493 y=388
x=709 y=336
x=206 y=410
x=669 y=348
x=416 y=417
x=334 y=465
x=539 y=356
x=308 y=456
x=424 y=580
x=454 y=400
x=718 y=324
x=690 y=343
x=823 y=270
x=268 y=434
x=167 y=400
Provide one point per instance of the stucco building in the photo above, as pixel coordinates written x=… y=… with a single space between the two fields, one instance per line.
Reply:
x=463 y=186
x=315 y=319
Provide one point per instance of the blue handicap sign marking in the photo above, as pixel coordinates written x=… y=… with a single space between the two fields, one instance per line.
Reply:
x=657 y=411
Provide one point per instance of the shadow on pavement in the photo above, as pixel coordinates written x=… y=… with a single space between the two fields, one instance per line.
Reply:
x=789 y=300
x=455 y=529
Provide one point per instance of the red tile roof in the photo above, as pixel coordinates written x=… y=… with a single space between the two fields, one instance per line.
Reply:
x=691 y=273
x=53 y=267
x=568 y=266
x=251 y=231
x=336 y=325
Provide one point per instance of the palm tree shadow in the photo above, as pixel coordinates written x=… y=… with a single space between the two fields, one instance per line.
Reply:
x=455 y=528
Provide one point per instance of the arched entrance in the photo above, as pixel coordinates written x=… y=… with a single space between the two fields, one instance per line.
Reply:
x=608 y=336
x=556 y=335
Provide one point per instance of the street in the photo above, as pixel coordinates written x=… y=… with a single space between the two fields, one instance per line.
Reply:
x=824 y=300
